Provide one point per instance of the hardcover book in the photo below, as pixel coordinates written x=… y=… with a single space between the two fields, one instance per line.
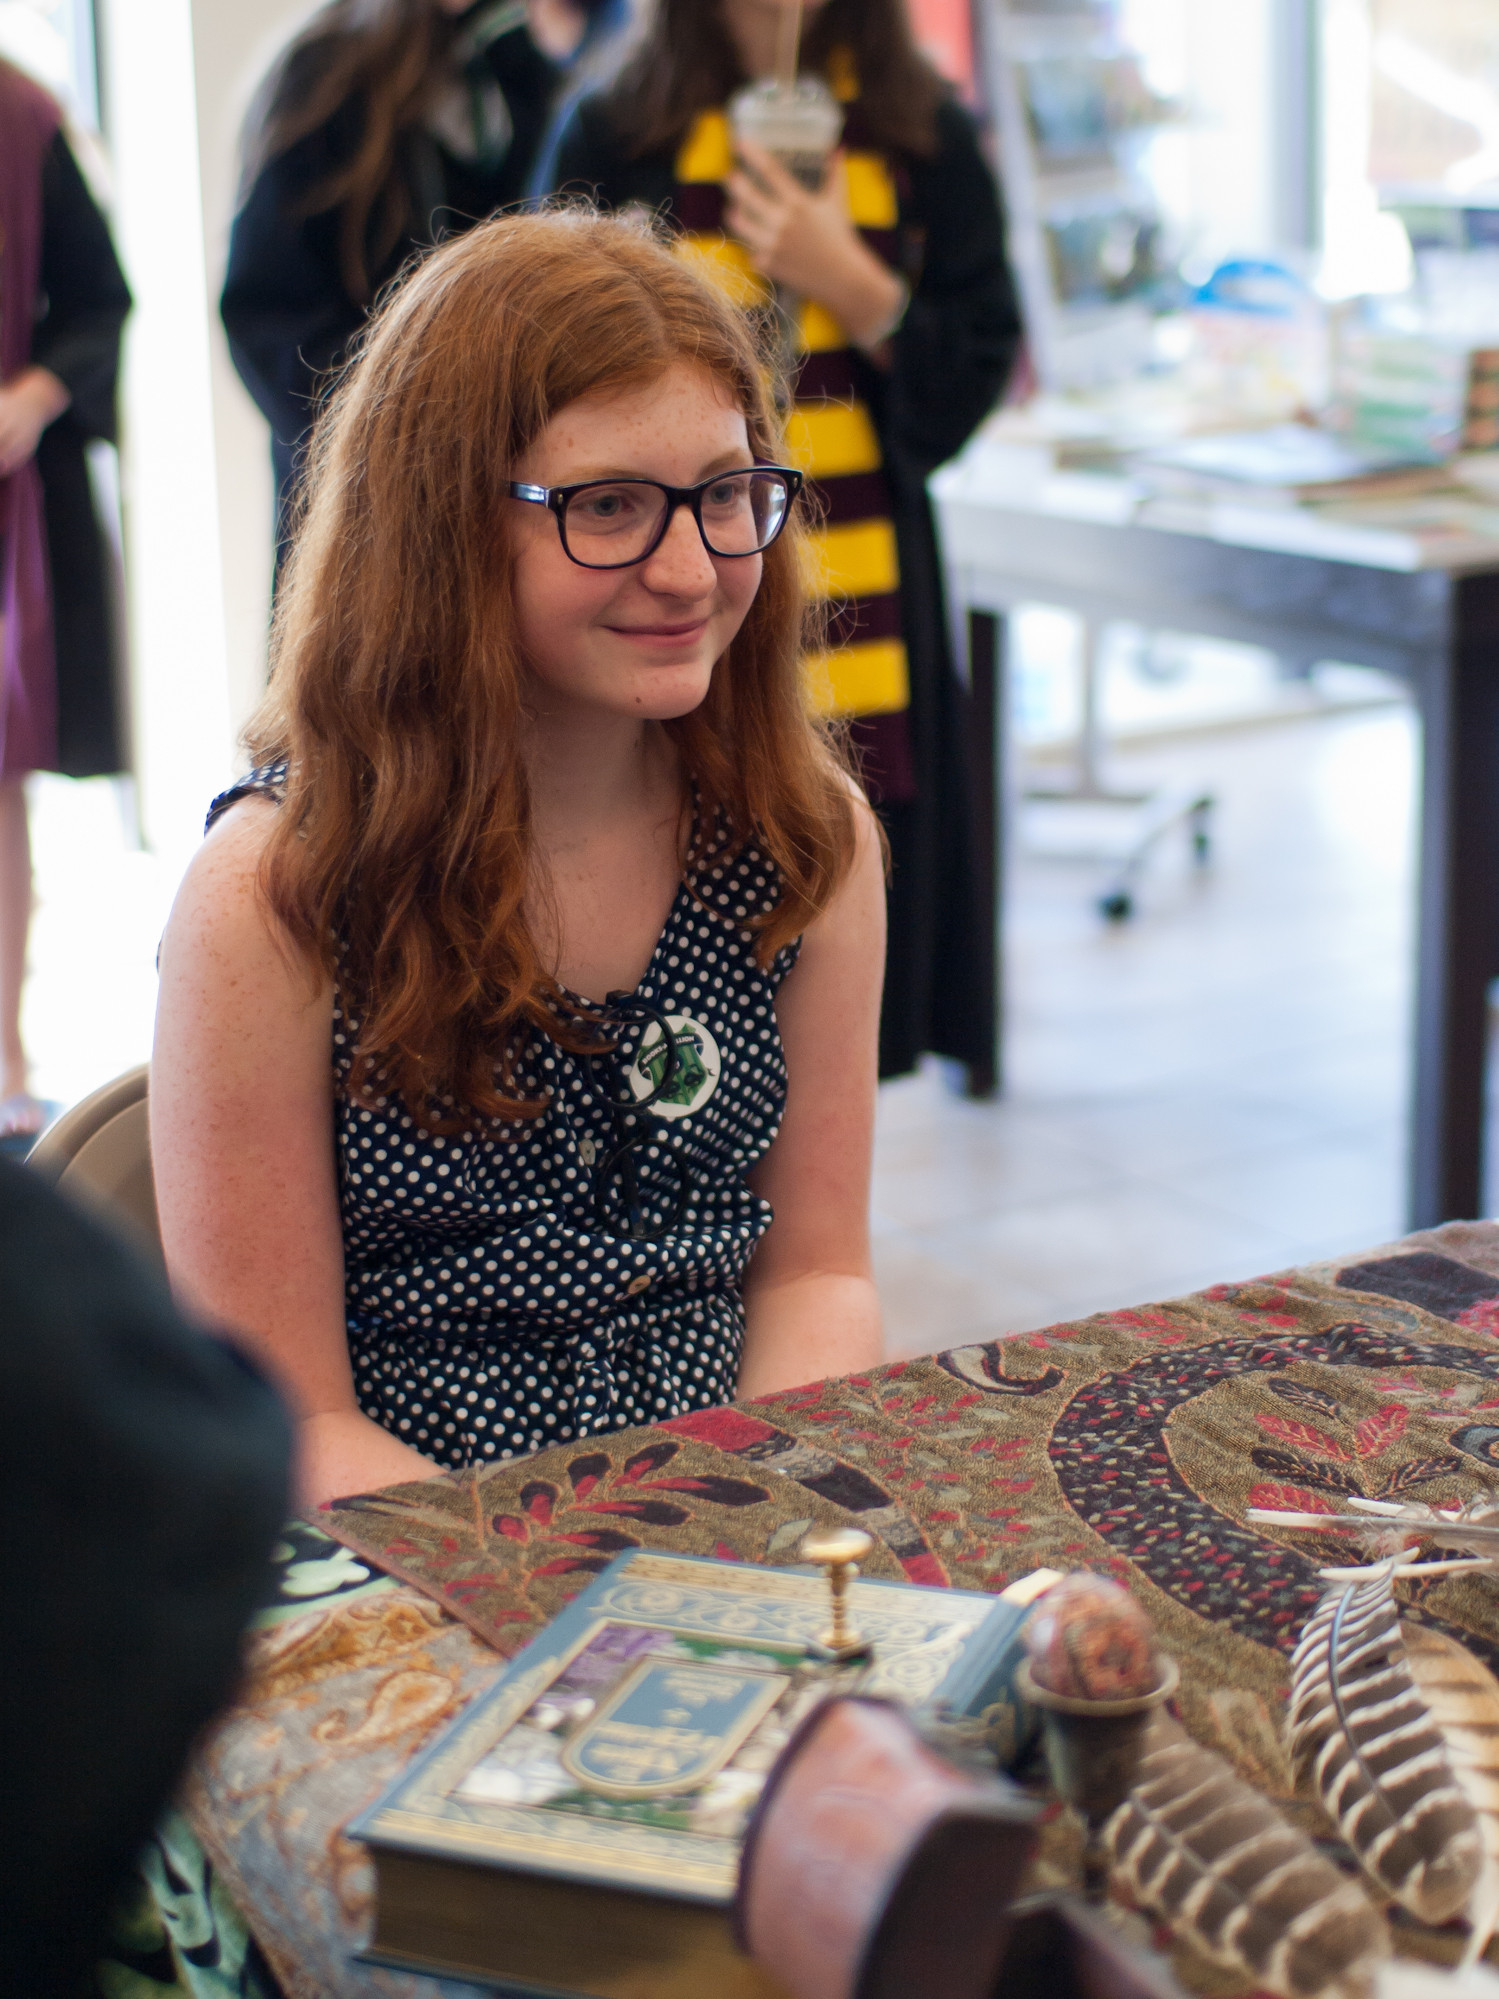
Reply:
x=576 y=1834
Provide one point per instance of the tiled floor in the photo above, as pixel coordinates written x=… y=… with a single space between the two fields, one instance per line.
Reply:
x=1214 y=1089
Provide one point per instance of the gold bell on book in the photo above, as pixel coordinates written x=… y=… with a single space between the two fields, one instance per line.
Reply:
x=837 y=1552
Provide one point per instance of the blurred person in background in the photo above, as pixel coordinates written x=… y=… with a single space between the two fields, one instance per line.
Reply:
x=385 y=126
x=906 y=326
x=59 y=357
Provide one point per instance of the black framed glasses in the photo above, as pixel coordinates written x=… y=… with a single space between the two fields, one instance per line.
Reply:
x=614 y=523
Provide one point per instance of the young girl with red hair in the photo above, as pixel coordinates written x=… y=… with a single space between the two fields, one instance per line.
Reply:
x=515 y=1062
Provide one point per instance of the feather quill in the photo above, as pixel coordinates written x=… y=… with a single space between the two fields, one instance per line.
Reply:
x=1194 y=1845
x=1361 y=1729
x=1385 y=1527
x=1463 y=1697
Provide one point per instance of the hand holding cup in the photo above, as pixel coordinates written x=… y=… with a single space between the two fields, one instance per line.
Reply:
x=805 y=242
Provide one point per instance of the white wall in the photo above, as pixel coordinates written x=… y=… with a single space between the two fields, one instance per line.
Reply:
x=177 y=75
x=233 y=45
x=1215 y=172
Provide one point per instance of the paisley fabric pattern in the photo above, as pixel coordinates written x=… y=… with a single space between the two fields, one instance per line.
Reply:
x=351 y=1672
x=177 y=1934
x=1130 y=1443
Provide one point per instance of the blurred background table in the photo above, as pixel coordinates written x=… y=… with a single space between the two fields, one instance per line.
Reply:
x=1380 y=599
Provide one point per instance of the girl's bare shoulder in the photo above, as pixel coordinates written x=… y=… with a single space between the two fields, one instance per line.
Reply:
x=221 y=916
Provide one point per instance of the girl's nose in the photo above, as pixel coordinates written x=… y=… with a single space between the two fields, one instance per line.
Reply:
x=681 y=566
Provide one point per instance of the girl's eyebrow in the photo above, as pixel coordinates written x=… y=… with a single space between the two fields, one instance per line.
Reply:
x=739 y=461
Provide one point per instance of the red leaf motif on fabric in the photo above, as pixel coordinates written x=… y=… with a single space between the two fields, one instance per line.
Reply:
x=724 y=1553
x=584 y=1473
x=650 y=1459
x=1482 y=1317
x=600 y=1537
x=1289 y=1499
x=1377 y=1432
x=401 y=1546
x=512 y=1526
x=1291 y=1431
x=712 y=1486
x=729 y=1429
x=1158 y=1327
x=571 y=1565
x=653 y=1512
x=463 y=1587
x=539 y=1499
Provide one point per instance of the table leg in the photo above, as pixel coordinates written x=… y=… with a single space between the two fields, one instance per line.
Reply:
x=1458 y=947
x=986 y=740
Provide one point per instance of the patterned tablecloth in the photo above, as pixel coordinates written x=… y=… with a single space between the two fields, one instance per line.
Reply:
x=1129 y=1443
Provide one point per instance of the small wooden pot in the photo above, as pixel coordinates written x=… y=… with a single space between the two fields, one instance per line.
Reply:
x=1092 y=1752
x=874 y=1870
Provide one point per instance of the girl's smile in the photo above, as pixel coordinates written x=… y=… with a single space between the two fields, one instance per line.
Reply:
x=641 y=641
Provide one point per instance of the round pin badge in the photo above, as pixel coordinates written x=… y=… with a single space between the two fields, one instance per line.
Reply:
x=698 y=1066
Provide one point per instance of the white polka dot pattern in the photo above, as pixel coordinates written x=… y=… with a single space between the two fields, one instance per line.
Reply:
x=491 y=1312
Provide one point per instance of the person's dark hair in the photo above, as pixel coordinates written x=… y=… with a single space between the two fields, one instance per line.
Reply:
x=687 y=63
x=379 y=57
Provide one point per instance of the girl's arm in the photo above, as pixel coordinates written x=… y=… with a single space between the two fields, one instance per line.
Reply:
x=242 y=1152
x=810 y=1304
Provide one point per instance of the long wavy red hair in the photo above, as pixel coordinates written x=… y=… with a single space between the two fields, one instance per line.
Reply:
x=401 y=858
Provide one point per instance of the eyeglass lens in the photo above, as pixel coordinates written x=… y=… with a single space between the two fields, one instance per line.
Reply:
x=612 y=524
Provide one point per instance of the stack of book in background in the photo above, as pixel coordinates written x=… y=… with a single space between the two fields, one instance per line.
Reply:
x=1414 y=395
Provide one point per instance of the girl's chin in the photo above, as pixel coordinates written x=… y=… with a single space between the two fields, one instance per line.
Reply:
x=643 y=693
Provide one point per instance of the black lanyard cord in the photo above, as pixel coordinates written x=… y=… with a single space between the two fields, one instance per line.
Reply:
x=620 y=1164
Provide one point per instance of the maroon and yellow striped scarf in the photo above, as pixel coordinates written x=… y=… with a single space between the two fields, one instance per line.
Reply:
x=829 y=431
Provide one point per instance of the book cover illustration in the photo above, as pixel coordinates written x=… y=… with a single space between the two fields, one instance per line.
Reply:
x=629 y=1742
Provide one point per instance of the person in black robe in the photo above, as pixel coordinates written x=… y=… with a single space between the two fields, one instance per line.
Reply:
x=650 y=140
x=62 y=687
x=85 y=302
x=383 y=130
x=143 y=1484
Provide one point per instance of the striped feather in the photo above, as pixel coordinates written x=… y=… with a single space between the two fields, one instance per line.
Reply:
x=1198 y=1848
x=1362 y=1732
x=1463 y=1697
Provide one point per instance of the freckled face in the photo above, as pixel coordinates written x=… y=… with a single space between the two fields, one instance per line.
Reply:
x=641 y=641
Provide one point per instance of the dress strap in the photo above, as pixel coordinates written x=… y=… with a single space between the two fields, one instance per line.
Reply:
x=268 y=781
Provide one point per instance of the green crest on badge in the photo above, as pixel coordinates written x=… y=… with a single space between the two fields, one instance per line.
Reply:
x=697 y=1072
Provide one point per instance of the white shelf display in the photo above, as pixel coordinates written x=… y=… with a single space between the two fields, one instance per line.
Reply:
x=1072 y=115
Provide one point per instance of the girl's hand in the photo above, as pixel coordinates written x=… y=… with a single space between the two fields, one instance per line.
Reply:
x=28 y=403
x=807 y=243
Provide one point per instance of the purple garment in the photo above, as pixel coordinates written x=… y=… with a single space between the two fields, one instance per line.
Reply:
x=28 y=672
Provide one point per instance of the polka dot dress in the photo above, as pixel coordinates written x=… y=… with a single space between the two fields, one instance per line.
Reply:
x=533 y=1283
